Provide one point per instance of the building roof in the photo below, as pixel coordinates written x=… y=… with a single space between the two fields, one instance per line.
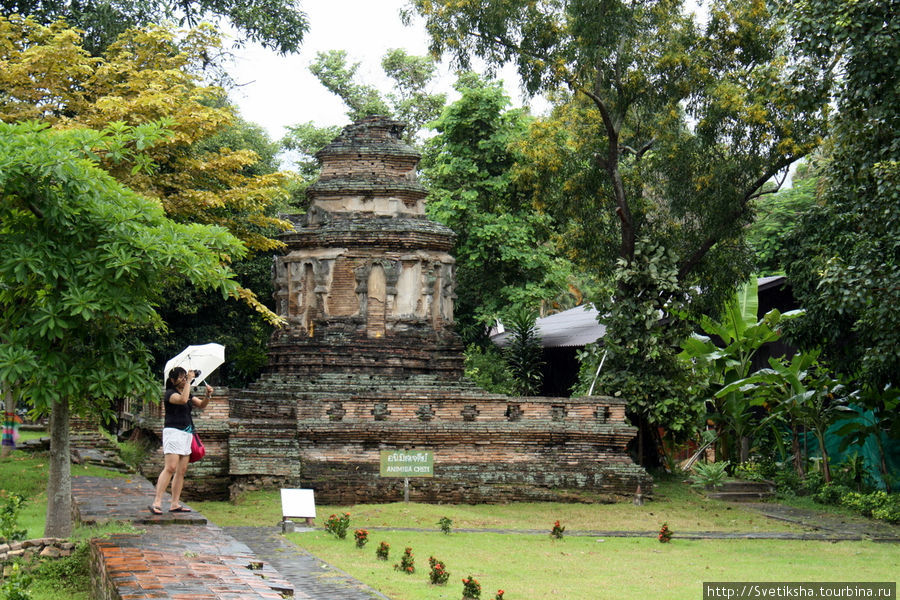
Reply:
x=579 y=326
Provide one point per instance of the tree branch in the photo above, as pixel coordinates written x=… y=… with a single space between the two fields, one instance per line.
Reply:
x=694 y=259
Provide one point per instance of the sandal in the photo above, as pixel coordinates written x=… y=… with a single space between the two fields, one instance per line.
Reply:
x=155 y=510
x=180 y=509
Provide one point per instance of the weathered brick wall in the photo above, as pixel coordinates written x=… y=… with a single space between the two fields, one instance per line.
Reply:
x=488 y=448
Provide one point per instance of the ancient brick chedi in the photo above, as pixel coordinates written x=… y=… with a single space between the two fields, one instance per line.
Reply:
x=369 y=362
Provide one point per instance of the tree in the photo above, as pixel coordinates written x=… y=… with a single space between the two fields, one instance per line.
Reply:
x=84 y=262
x=144 y=76
x=504 y=247
x=675 y=129
x=410 y=101
x=776 y=219
x=843 y=259
x=523 y=352
x=274 y=24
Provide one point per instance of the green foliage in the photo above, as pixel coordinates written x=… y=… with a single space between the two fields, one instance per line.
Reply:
x=710 y=474
x=720 y=368
x=84 y=261
x=9 y=514
x=471 y=588
x=843 y=260
x=275 y=24
x=504 y=248
x=15 y=586
x=775 y=220
x=407 y=562
x=65 y=573
x=486 y=367
x=134 y=453
x=664 y=129
x=641 y=336
x=382 y=551
x=523 y=351
x=877 y=504
x=337 y=525
x=438 y=574
x=446 y=524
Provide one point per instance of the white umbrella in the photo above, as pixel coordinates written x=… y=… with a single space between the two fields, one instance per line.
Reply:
x=205 y=358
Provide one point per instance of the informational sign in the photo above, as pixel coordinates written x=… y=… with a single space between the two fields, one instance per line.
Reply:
x=407 y=463
x=298 y=503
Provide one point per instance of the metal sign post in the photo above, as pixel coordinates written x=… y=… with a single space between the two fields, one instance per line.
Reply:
x=406 y=464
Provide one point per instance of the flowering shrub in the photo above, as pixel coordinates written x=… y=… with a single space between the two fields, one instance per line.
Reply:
x=407 y=562
x=338 y=525
x=362 y=536
x=439 y=573
x=445 y=523
x=664 y=534
x=557 y=530
x=499 y=595
x=471 y=588
x=382 y=551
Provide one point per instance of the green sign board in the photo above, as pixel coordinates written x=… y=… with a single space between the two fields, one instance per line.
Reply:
x=407 y=463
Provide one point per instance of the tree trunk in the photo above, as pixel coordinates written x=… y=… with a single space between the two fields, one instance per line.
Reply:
x=745 y=449
x=795 y=449
x=826 y=470
x=9 y=406
x=59 y=482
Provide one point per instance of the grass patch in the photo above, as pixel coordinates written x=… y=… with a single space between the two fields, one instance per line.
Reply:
x=674 y=502
x=26 y=474
x=536 y=567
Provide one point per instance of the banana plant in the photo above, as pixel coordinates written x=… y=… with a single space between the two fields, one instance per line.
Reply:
x=741 y=334
x=801 y=390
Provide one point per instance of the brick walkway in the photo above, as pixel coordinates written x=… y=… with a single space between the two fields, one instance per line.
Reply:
x=182 y=557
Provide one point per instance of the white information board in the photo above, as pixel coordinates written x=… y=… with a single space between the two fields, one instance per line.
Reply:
x=298 y=503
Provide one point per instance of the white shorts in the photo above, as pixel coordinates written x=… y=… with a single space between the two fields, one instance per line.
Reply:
x=176 y=441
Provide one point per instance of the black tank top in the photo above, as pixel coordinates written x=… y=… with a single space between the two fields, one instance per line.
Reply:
x=178 y=416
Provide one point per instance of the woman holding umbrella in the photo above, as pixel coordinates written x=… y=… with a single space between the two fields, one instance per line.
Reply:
x=177 y=435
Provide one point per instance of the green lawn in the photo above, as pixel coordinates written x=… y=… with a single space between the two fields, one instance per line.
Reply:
x=537 y=567
x=674 y=503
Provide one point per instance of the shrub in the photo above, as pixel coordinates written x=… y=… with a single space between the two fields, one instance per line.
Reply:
x=756 y=470
x=439 y=573
x=382 y=551
x=831 y=493
x=9 y=516
x=15 y=585
x=709 y=474
x=665 y=534
x=134 y=452
x=407 y=562
x=557 y=530
x=878 y=505
x=445 y=523
x=337 y=526
x=471 y=588
x=361 y=536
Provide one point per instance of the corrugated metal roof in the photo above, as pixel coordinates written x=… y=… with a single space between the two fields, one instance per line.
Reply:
x=574 y=327
x=579 y=326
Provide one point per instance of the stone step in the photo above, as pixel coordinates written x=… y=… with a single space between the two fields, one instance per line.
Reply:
x=741 y=496
x=743 y=491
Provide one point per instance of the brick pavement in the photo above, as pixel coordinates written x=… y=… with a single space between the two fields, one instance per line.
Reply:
x=180 y=556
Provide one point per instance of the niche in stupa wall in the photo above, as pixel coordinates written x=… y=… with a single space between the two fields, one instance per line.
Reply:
x=376 y=301
x=342 y=299
x=408 y=301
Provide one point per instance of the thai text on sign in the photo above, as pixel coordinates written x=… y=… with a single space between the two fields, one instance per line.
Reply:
x=407 y=463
